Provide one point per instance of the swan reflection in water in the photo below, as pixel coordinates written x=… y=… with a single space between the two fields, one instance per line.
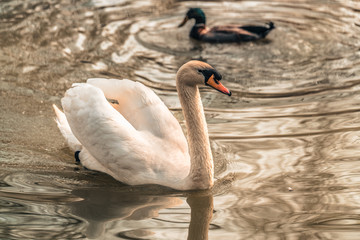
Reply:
x=99 y=207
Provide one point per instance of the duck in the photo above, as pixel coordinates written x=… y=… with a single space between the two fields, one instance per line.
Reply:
x=122 y=128
x=224 y=33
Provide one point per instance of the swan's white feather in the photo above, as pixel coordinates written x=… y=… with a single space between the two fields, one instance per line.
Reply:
x=140 y=106
x=65 y=130
x=137 y=141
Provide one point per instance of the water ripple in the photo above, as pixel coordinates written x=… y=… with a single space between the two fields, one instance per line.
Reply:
x=285 y=144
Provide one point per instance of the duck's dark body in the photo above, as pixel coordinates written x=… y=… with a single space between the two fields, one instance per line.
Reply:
x=226 y=33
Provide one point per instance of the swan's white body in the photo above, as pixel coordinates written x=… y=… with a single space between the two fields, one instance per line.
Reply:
x=135 y=139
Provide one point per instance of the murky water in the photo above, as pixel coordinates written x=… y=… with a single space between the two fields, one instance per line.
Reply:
x=286 y=144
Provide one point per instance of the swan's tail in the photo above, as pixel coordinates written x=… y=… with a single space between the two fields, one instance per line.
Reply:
x=65 y=130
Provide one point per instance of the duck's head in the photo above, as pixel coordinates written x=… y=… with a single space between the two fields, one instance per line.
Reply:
x=197 y=14
x=196 y=72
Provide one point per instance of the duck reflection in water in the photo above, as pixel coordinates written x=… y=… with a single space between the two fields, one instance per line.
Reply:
x=102 y=206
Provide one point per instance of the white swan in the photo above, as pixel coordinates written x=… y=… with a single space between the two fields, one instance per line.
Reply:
x=135 y=138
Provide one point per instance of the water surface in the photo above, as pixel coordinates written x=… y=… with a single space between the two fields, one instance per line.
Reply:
x=285 y=145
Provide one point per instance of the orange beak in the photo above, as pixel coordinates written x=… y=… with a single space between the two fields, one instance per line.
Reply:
x=217 y=85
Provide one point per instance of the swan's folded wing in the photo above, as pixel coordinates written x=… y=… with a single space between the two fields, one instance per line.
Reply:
x=126 y=153
x=98 y=126
x=142 y=108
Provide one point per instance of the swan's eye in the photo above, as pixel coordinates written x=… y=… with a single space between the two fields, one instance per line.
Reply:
x=207 y=73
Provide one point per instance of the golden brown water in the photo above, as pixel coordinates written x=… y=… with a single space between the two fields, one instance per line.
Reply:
x=286 y=144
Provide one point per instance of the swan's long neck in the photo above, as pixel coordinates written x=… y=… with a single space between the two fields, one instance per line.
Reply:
x=201 y=170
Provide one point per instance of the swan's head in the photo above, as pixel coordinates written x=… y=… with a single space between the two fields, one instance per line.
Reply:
x=195 y=73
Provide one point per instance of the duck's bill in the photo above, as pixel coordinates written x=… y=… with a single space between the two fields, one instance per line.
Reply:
x=217 y=85
x=183 y=22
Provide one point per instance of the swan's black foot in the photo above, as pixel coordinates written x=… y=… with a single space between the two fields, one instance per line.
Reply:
x=77 y=159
